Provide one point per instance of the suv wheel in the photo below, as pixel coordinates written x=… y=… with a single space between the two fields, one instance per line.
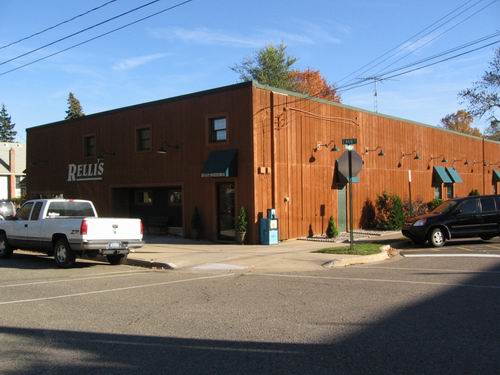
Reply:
x=437 y=237
x=63 y=255
x=116 y=259
x=5 y=249
x=486 y=238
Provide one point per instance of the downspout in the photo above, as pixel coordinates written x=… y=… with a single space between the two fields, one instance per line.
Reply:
x=273 y=157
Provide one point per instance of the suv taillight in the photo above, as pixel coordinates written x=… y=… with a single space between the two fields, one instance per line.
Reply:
x=142 y=228
x=83 y=227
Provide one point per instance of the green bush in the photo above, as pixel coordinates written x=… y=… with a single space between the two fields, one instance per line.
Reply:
x=331 y=230
x=474 y=192
x=367 y=220
x=242 y=221
x=434 y=203
x=418 y=207
x=390 y=214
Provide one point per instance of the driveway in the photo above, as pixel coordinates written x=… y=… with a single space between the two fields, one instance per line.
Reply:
x=474 y=247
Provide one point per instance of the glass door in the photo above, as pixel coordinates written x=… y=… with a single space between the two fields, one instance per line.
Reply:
x=226 y=211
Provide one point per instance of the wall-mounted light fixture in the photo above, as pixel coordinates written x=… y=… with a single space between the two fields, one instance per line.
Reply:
x=165 y=146
x=442 y=157
x=405 y=154
x=455 y=160
x=380 y=153
x=332 y=144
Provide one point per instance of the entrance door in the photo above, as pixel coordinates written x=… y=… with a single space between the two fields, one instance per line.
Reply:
x=342 y=208
x=226 y=211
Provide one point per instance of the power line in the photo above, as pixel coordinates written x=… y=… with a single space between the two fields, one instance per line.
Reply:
x=97 y=37
x=433 y=57
x=423 y=66
x=57 y=25
x=437 y=36
x=407 y=40
x=80 y=31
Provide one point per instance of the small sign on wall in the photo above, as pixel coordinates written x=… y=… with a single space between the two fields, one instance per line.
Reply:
x=86 y=172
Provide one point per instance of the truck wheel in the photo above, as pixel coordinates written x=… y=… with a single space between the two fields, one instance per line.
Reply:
x=437 y=237
x=63 y=255
x=117 y=259
x=5 y=250
x=486 y=238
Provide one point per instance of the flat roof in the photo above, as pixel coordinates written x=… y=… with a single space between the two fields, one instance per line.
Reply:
x=264 y=87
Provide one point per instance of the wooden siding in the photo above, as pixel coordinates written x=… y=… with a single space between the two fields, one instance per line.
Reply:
x=304 y=178
x=184 y=122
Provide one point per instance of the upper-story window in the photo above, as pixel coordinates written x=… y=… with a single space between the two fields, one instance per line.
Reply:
x=89 y=146
x=218 y=130
x=143 y=139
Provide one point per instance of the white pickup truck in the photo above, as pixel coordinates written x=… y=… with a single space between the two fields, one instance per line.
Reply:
x=66 y=229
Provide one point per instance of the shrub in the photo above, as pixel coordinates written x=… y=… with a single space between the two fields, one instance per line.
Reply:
x=242 y=221
x=474 y=192
x=367 y=220
x=390 y=214
x=434 y=203
x=331 y=230
x=418 y=207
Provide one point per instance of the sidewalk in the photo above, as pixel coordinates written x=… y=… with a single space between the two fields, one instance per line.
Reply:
x=289 y=256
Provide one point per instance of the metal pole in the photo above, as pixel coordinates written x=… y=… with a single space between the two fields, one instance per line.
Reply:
x=351 y=219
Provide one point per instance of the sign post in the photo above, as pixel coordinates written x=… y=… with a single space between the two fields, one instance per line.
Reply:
x=409 y=192
x=350 y=164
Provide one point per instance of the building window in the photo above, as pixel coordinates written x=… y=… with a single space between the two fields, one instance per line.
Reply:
x=143 y=137
x=174 y=198
x=449 y=191
x=218 y=130
x=438 y=192
x=18 y=181
x=144 y=197
x=89 y=146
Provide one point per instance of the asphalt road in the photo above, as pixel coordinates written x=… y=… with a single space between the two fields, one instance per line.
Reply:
x=465 y=247
x=403 y=316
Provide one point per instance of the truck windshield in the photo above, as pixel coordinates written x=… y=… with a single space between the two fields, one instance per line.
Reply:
x=70 y=209
x=444 y=207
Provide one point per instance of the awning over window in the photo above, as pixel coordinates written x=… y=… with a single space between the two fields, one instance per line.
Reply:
x=496 y=175
x=440 y=176
x=455 y=176
x=222 y=163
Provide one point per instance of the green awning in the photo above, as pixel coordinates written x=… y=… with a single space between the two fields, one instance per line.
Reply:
x=222 y=163
x=455 y=176
x=440 y=176
x=496 y=175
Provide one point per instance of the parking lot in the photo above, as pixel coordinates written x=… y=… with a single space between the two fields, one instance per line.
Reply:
x=460 y=247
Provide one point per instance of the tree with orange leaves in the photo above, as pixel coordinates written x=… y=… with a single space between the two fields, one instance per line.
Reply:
x=310 y=82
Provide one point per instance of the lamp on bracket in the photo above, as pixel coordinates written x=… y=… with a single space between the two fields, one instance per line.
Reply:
x=380 y=153
x=332 y=144
x=405 y=154
x=443 y=160
x=165 y=146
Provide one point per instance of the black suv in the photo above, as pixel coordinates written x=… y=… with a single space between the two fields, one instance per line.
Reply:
x=474 y=216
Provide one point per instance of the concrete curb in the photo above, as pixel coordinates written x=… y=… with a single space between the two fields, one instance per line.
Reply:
x=363 y=259
x=150 y=264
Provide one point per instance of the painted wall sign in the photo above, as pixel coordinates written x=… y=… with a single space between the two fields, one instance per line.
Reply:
x=86 y=172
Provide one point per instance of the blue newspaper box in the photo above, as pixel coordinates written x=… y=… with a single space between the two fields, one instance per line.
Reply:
x=269 y=234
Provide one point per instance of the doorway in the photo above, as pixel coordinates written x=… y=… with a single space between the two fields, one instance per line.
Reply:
x=342 y=208
x=226 y=211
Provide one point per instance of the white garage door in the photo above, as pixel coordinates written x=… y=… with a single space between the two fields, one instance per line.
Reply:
x=4 y=187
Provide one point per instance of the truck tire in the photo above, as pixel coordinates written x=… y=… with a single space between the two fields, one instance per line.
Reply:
x=486 y=238
x=437 y=237
x=6 y=250
x=63 y=255
x=117 y=259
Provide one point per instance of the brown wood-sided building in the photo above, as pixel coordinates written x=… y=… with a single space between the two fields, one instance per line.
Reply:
x=253 y=146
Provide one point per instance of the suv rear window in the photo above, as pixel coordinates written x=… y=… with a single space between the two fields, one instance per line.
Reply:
x=70 y=209
x=488 y=204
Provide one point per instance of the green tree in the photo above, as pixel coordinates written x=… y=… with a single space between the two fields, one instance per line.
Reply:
x=7 y=132
x=460 y=121
x=331 y=230
x=74 y=108
x=483 y=98
x=270 y=66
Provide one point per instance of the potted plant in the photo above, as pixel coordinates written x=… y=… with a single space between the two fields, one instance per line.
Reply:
x=196 y=224
x=241 y=225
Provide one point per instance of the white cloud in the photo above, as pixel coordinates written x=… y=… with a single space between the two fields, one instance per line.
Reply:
x=135 y=62
x=311 y=35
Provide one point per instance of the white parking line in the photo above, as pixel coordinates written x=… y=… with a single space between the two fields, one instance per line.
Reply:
x=451 y=255
x=113 y=290
x=377 y=280
x=423 y=269
x=90 y=277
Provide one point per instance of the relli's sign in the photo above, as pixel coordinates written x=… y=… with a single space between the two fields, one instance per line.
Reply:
x=86 y=172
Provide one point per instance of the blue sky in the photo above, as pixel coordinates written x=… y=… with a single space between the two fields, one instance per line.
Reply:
x=191 y=48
